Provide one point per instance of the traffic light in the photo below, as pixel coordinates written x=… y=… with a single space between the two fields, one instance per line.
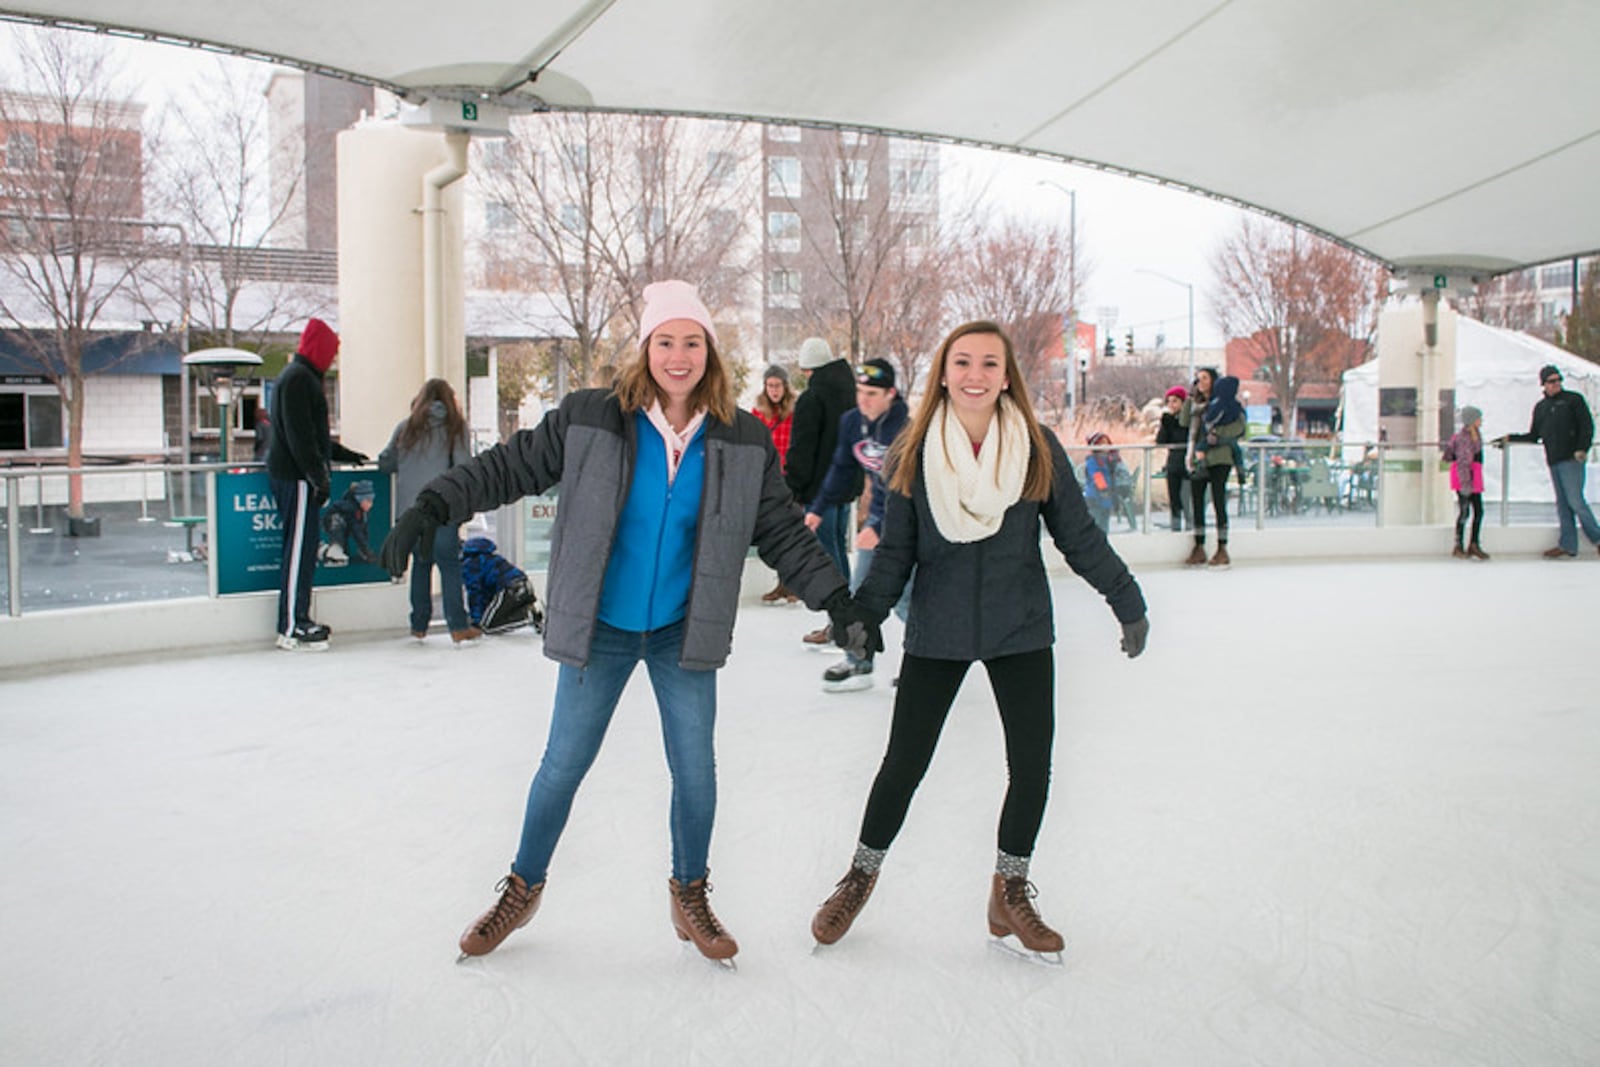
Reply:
x=1111 y=347
x=1130 y=342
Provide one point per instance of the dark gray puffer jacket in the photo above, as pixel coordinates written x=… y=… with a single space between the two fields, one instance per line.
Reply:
x=588 y=447
x=988 y=598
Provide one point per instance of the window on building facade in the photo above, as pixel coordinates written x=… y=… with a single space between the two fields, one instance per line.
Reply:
x=783 y=133
x=911 y=177
x=22 y=151
x=498 y=216
x=68 y=153
x=783 y=230
x=783 y=281
x=572 y=218
x=851 y=180
x=1556 y=276
x=851 y=138
x=721 y=168
x=783 y=176
x=652 y=222
x=30 y=420
x=783 y=336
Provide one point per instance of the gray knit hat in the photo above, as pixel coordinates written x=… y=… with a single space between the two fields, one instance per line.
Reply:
x=814 y=353
x=1470 y=415
x=777 y=372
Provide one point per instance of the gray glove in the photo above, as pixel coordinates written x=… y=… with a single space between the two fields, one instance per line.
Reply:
x=1134 y=634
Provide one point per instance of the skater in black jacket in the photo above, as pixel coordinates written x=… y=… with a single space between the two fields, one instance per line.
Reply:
x=299 y=459
x=970 y=482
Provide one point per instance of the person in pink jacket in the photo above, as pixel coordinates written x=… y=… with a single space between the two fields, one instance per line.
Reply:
x=1465 y=453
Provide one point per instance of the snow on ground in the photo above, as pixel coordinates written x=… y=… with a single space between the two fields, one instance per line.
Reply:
x=1338 y=814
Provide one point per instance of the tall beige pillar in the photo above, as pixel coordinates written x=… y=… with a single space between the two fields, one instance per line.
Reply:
x=381 y=298
x=1416 y=409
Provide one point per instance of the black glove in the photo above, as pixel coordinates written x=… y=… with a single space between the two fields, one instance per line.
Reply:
x=413 y=531
x=855 y=629
x=1134 y=634
x=321 y=487
x=357 y=458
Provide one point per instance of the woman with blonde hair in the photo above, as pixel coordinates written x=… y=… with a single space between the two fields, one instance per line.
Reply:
x=665 y=486
x=970 y=482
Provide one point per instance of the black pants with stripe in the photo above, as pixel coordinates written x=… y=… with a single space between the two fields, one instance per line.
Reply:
x=1024 y=689
x=298 y=508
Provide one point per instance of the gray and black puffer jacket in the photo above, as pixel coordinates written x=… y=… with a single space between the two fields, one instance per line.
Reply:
x=982 y=599
x=588 y=447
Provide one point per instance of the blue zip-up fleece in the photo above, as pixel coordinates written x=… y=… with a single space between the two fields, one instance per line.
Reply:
x=863 y=446
x=624 y=548
x=646 y=585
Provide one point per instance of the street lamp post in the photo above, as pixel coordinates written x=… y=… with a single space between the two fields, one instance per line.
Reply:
x=1186 y=285
x=1072 y=276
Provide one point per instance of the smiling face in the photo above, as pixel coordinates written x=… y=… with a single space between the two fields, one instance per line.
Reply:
x=1174 y=403
x=975 y=373
x=678 y=359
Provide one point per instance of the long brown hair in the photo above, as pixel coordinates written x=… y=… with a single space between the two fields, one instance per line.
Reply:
x=908 y=446
x=419 y=423
x=636 y=390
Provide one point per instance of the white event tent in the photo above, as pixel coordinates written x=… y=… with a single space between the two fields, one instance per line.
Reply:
x=1497 y=371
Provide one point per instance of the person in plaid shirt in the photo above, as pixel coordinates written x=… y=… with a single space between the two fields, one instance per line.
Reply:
x=775 y=408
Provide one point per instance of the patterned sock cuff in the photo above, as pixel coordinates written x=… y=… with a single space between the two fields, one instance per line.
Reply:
x=1008 y=866
x=868 y=859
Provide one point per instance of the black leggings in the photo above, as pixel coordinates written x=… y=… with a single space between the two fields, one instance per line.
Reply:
x=1465 y=503
x=1024 y=689
x=1217 y=479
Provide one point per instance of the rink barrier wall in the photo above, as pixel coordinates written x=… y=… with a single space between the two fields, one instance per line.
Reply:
x=49 y=641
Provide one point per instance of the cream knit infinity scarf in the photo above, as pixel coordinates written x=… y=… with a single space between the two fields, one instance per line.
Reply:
x=969 y=494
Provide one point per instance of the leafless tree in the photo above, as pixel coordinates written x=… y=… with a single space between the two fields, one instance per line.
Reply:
x=213 y=180
x=1510 y=301
x=592 y=207
x=1020 y=274
x=70 y=190
x=1306 y=307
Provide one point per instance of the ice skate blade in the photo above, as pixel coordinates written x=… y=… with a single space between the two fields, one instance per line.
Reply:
x=1042 y=959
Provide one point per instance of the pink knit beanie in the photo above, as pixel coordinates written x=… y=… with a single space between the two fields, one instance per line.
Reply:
x=665 y=301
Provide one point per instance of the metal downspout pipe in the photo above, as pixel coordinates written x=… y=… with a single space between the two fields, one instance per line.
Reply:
x=434 y=183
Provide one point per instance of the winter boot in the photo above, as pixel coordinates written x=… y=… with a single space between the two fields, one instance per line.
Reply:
x=1476 y=551
x=1011 y=911
x=693 y=920
x=1197 y=556
x=462 y=637
x=778 y=595
x=833 y=919
x=1458 y=552
x=820 y=639
x=518 y=902
x=1220 y=561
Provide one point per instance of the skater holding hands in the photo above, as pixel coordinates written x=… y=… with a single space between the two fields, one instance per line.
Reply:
x=664 y=469
x=970 y=481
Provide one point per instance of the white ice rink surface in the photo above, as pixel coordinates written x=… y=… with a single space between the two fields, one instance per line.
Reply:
x=1337 y=814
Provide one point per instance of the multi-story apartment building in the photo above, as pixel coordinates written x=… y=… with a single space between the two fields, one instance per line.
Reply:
x=842 y=210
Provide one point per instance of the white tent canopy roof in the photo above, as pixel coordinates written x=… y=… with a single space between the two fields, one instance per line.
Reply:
x=1434 y=136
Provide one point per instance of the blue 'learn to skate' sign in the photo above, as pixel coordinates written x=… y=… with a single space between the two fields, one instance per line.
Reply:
x=249 y=532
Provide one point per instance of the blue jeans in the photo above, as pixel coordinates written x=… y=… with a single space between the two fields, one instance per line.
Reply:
x=447 y=557
x=831 y=534
x=1572 y=510
x=586 y=697
x=902 y=606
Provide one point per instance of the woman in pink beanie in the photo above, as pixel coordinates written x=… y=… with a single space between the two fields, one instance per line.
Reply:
x=665 y=485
